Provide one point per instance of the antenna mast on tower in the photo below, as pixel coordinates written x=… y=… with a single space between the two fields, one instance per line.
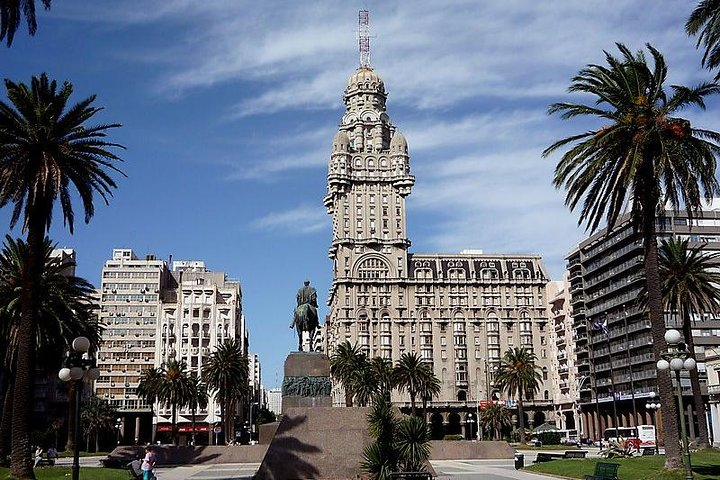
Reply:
x=364 y=38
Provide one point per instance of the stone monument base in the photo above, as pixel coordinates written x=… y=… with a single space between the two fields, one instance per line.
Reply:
x=318 y=443
x=307 y=381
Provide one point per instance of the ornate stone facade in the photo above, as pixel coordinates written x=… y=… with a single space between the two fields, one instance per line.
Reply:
x=460 y=312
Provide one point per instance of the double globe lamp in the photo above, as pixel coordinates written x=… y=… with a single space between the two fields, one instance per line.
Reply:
x=79 y=365
x=678 y=359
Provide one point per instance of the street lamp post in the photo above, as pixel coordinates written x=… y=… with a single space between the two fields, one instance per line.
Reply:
x=653 y=407
x=677 y=359
x=78 y=365
x=118 y=425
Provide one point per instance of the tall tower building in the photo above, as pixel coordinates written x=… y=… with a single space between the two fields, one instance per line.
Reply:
x=459 y=312
x=129 y=309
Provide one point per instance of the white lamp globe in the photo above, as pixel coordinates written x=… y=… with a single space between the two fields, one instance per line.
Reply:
x=689 y=363
x=64 y=374
x=92 y=374
x=663 y=365
x=652 y=406
x=672 y=336
x=651 y=394
x=82 y=344
x=676 y=364
x=76 y=373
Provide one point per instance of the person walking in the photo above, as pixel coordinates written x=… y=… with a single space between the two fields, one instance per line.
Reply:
x=148 y=463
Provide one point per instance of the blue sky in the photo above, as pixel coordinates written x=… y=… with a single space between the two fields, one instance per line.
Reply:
x=229 y=109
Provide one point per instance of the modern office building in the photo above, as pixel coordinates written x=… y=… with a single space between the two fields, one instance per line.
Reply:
x=152 y=315
x=459 y=312
x=274 y=400
x=612 y=333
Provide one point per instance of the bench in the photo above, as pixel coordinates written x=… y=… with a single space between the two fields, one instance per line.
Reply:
x=575 y=454
x=604 y=471
x=411 y=475
x=546 y=457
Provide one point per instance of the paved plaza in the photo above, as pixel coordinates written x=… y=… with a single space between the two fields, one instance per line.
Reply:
x=445 y=469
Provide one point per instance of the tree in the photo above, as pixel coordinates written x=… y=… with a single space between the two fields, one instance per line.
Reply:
x=66 y=311
x=690 y=280
x=493 y=417
x=148 y=389
x=382 y=375
x=413 y=376
x=173 y=389
x=97 y=417
x=11 y=11
x=45 y=149
x=345 y=363
x=398 y=445
x=429 y=387
x=197 y=397
x=520 y=377
x=704 y=22
x=226 y=374
x=644 y=156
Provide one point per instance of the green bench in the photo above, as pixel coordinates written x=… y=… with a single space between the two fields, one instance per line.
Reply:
x=604 y=471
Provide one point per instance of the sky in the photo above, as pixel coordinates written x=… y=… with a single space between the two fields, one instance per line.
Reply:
x=229 y=109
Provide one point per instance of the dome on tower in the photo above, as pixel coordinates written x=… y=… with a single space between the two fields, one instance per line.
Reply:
x=398 y=144
x=341 y=142
x=365 y=80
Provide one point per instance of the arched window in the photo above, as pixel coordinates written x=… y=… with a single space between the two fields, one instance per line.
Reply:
x=462 y=396
x=489 y=274
x=373 y=268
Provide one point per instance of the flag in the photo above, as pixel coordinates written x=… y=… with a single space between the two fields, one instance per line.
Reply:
x=601 y=326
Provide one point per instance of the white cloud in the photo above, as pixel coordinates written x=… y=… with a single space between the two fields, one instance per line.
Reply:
x=301 y=220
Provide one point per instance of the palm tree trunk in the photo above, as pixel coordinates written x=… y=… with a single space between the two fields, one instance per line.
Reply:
x=348 y=398
x=20 y=461
x=702 y=439
x=193 y=426
x=174 y=422
x=6 y=422
x=97 y=442
x=673 y=458
x=72 y=398
x=521 y=419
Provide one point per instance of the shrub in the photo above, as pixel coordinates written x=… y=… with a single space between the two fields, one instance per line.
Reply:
x=549 y=438
x=453 y=437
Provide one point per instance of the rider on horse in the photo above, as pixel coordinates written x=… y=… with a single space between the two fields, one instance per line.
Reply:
x=305 y=318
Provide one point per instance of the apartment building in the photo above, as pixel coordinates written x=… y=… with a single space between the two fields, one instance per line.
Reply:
x=613 y=345
x=153 y=314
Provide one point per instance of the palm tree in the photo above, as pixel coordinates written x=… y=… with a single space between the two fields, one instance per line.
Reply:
x=413 y=376
x=379 y=457
x=429 y=387
x=97 y=417
x=10 y=13
x=412 y=442
x=226 y=374
x=520 y=377
x=66 y=311
x=704 y=22
x=197 y=397
x=345 y=363
x=382 y=375
x=148 y=389
x=690 y=282
x=173 y=389
x=493 y=417
x=45 y=148
x=644 y=156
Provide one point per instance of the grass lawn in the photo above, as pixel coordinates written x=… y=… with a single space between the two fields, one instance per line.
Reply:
x=547 y=447
x=706 y=466
x=86 y=473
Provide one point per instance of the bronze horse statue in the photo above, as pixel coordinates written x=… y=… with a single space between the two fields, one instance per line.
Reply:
x=305 y=317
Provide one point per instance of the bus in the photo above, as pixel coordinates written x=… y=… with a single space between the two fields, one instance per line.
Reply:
x=640 y=436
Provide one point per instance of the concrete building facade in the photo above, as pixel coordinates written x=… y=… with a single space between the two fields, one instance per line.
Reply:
x=152 y=315
x=459 y=312
x=612 y=333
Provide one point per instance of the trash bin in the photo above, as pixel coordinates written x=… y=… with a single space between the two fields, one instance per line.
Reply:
x=519 y=461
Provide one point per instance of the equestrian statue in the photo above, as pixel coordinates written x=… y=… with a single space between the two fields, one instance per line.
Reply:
x=305 y=318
